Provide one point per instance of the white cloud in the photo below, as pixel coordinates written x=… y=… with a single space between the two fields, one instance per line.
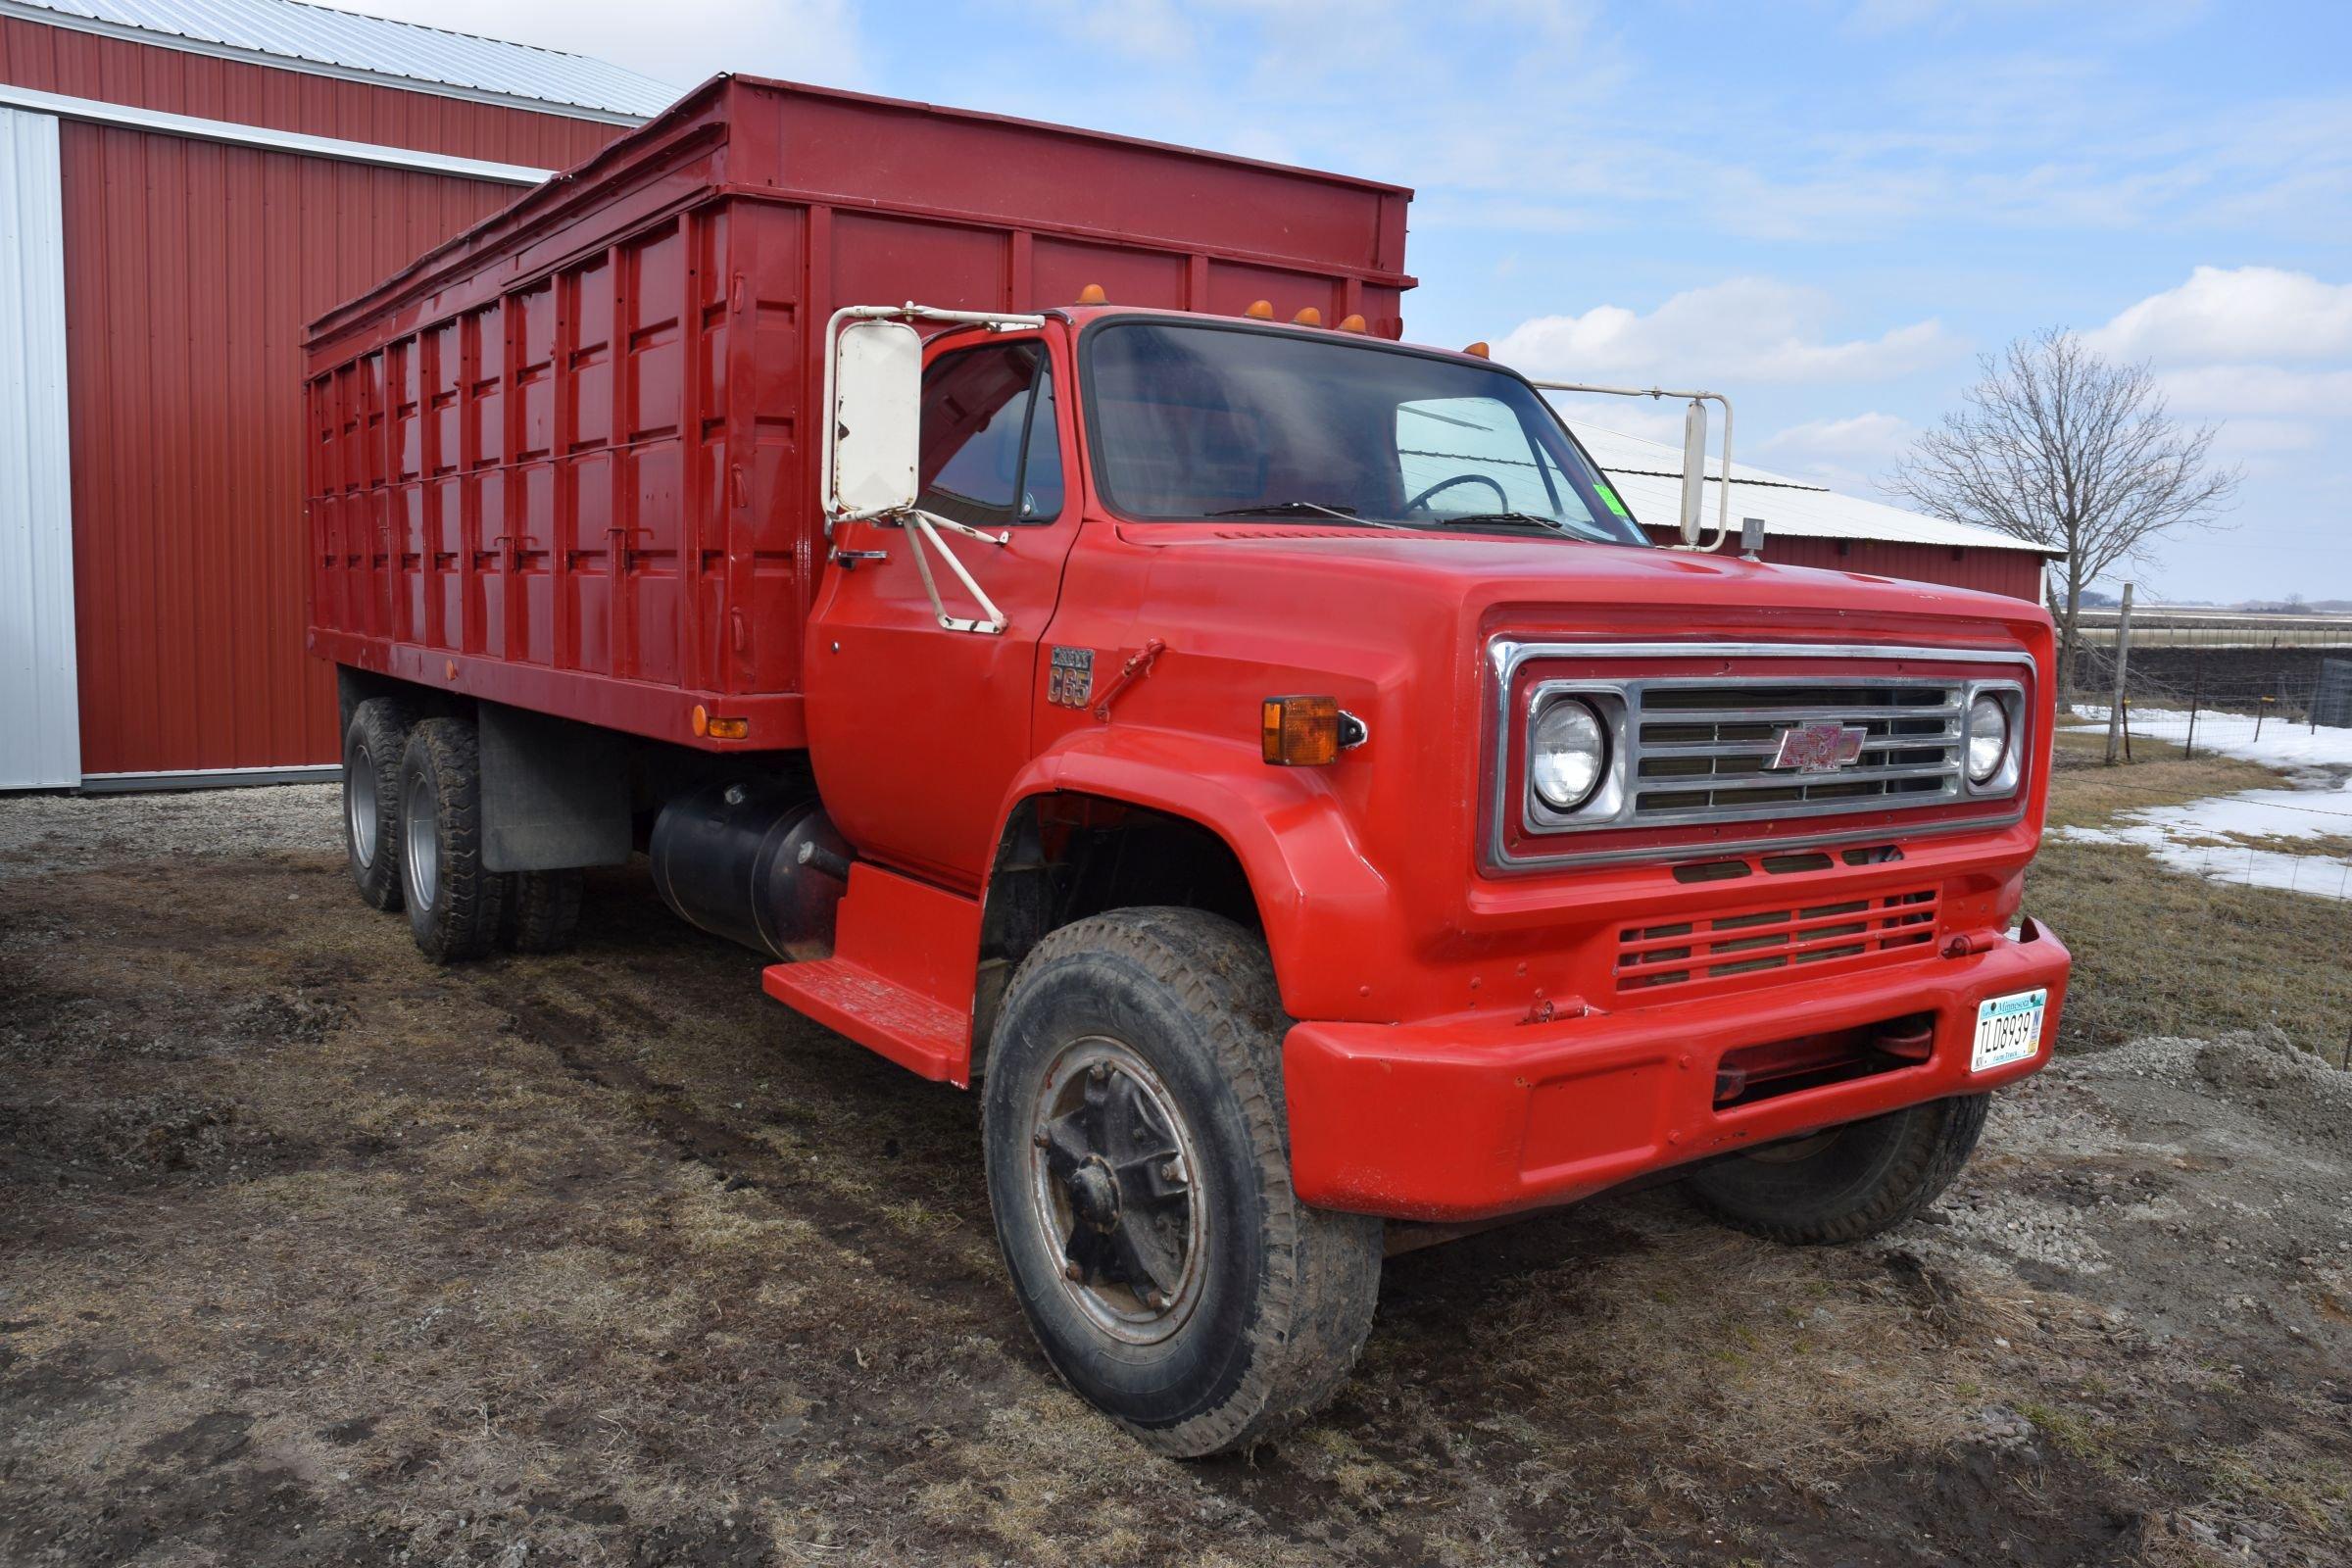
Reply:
x=1746 y=328
x=1863 y=436
x=2234 y=315
x=1842 y=454
x=2231 y=390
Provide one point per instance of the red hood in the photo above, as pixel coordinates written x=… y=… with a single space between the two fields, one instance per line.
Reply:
x=1506 y=580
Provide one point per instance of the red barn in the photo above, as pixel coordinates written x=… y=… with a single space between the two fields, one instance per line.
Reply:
x=1809 y=525
x=183 y=184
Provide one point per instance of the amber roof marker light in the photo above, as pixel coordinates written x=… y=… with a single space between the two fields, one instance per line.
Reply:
x=1307 y=316
x=1352 y=323
x=1093 y=294
x=1260 y=310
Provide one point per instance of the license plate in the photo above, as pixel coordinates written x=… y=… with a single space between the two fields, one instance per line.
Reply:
x=2008 y=1029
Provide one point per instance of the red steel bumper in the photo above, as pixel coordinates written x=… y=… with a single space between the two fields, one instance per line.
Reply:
x=1469 y=1119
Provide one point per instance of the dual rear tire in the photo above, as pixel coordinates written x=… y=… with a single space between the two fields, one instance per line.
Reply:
x=412 y=838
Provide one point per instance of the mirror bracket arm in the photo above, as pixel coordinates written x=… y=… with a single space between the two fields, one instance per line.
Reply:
x=1723 y=488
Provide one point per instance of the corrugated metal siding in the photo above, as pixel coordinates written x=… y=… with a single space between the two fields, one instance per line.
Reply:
x=1986 y=569
x=86 y=66
x=39 y=739
x=317 y=36
x=191 y=268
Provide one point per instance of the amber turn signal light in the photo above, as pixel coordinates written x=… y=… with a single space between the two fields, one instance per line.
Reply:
x=720 y=729
x=1299 y=731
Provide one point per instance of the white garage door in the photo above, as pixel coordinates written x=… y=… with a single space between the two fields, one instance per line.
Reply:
x=41 y=731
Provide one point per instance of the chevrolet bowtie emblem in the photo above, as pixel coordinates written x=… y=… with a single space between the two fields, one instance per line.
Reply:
x=1818 y=747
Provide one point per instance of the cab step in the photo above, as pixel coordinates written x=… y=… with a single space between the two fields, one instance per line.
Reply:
x=917 y=1033
x=900 y=977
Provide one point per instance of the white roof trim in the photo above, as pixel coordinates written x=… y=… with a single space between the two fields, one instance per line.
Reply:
x=307 y=66
x=100 y=113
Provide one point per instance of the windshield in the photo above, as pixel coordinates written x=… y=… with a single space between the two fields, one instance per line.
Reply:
x=1194 y=420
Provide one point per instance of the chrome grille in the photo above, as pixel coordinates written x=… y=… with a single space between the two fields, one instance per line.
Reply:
x=1701 y=751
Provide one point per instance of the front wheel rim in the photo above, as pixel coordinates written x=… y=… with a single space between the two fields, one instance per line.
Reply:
x=1115 y=1192
x=421 y=864
x=359 y=805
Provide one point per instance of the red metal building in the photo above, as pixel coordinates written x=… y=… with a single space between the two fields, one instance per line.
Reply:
x=1809 y=525
x=204 y=192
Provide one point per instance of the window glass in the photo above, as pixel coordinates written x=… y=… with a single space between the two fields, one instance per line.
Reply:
x=1201 y=421
x=1041 y=470
x=1463 y=454
x=980 y=418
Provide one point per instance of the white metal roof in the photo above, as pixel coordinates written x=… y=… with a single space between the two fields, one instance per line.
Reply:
x=324 y=41
x=1648 y=474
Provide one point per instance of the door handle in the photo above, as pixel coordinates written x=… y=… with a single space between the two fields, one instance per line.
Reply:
x=849 y=559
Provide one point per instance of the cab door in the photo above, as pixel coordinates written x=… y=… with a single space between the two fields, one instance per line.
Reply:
x=915 y=730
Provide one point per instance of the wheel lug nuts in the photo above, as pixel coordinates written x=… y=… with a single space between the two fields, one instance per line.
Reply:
x=1100 y=1072
x=1072 y=1272
x=1040 y=1140
x=1170 y=1171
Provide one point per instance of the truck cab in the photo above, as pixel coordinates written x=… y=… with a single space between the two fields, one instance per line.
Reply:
x=1574 y=860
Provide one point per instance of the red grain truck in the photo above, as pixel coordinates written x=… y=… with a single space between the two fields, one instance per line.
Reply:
x=1264 y=756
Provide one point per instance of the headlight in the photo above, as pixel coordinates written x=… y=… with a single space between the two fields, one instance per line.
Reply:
x=1567 y=755
x=1988 y=738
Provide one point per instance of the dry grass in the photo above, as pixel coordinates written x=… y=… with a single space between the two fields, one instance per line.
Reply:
x=2085 y=792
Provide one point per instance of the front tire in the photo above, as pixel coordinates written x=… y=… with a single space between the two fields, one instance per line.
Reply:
x=371 y=753
x=454 y=904
x=1848 y=1182
x=1139 y=1169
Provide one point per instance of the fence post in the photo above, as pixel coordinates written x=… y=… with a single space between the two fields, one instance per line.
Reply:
x=2123 y=656
x=2196 y=695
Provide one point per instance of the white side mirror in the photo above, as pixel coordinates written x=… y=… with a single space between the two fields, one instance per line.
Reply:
x=1694 y=471
x=876 y=418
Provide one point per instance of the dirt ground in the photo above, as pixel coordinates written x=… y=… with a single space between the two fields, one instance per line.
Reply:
x=311 y=1253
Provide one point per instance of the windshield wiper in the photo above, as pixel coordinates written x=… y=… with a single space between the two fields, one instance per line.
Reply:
x=1555 y=524
x=1295 y=509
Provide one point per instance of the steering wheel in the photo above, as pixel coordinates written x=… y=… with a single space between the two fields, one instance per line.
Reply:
x=1502 y=497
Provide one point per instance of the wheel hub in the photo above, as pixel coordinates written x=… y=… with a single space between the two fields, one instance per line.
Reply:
x=1114 y=1191
x=420 y=862
x=1094 y=1194
x=359 y=800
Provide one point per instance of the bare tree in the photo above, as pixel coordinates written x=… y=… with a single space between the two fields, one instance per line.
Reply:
x=2064 y=448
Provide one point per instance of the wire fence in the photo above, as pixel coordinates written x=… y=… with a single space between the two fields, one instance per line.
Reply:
x=2283 y=715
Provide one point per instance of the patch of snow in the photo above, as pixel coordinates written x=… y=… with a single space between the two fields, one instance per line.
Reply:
x=2202 y=838
x=2283 y=743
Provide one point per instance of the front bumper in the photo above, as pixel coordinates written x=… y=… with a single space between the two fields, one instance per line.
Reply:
x=1469 y=1119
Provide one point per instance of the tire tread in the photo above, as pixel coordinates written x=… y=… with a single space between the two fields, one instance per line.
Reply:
x=1926 y=1160
x=473 y=899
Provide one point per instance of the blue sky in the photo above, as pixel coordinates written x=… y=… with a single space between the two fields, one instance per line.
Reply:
x=1825 y=208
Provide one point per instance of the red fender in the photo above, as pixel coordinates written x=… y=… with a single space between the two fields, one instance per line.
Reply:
x=1330 y=918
